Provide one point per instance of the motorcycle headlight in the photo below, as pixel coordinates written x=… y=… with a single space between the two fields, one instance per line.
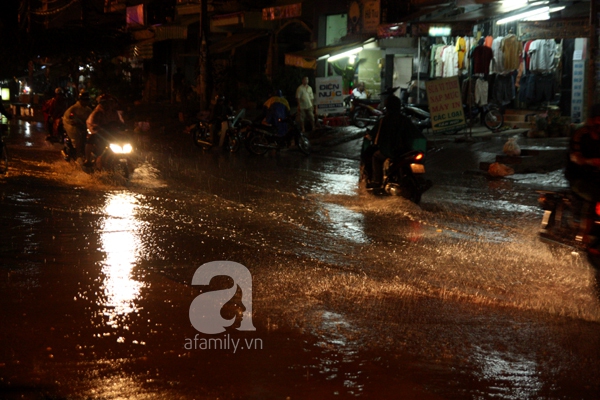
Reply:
x=117 y=149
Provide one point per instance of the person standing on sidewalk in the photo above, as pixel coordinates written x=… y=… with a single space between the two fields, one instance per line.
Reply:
x=306 y=107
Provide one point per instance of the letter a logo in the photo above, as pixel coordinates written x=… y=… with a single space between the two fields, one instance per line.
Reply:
x=205 y=310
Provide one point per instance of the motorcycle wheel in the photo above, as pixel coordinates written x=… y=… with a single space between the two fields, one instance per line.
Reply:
x=200 y=135
x=258 y=144
x=360 y=113
x=303 y=144
x=493 y=119
x=233 y=142
x=410 y=189
x=122 y=168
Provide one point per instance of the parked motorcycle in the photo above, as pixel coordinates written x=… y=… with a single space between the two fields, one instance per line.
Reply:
x=260 y=138
x=571 y=221
x=113 y=151
x=204 y=137
x=418 y=116
x=489 y=114
x=364 y=112
x=403 y=175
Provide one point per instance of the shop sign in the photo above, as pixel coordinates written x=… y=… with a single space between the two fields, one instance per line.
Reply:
x=330 y=95
x=391 y=30
x=577 y=91
x=300 y=62
x=282 y=12
x=456 y=28
x=371 y=17
x=562 y=28
x=364 y=16
x=135 y=16
x=445 y=104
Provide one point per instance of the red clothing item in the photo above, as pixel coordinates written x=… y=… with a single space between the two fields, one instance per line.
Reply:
x=482 y=55
x=488 y=41
x=526 y=55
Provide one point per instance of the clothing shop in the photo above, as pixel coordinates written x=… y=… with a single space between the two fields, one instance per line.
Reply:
x=516 y=64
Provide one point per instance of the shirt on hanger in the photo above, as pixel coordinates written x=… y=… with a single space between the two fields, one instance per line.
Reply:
x=461 y=48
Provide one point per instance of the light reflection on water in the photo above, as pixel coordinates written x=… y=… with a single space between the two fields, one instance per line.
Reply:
x=345 y=223
x=121 y=244
x=516 y=378
x=340 y=347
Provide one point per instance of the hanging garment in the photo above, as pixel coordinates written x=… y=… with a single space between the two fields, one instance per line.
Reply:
x=432 y=61
x=482 y=55
x=523 y=87
x=461 y=49
x=545 y=87
x=525 y=55
x=488 y=41
x=542 y=53
x=470 y=42
x=481 y=92
x=449 y=62
x=503 y=90
x=511 y=48
x=498 y=60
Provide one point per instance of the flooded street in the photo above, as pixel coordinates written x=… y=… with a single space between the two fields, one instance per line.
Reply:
x=353 y=295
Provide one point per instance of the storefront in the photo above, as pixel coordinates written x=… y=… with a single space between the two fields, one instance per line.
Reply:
x=532 y=60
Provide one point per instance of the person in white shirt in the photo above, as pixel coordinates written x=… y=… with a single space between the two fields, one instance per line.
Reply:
x=359 y=92
x=306 y=106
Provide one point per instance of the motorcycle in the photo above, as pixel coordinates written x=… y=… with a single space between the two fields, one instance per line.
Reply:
x=417 y=115
x=489 y=114
x=571 y=221
x=203 y=137
x=112 y=151
x=260 y=138
x=364 y=112
x=403 y=175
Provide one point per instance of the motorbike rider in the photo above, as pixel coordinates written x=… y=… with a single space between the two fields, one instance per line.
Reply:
x=53 y=110
x=104 y=117
x=387 y=139
x=276 y=110
x=220 y=110
x=583 y=166
x=74 y=121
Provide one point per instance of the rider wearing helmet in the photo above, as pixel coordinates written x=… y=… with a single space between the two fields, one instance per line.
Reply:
x=388 y=138
x=74 y=121
x=104 y=116
x=276 y=110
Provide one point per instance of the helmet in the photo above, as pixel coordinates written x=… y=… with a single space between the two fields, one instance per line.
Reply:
x=58 y=91
x=393 y=103
x=83 y=95
x=104 y=98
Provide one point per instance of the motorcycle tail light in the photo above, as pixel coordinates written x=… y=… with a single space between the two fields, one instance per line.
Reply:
x=419 y=156
x=597 y=208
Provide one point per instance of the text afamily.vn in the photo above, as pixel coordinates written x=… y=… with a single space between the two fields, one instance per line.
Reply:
x=223 y=343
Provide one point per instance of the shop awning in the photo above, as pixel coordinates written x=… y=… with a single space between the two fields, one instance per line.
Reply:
x=234 y=41
x=479 y=10
x=308 y=58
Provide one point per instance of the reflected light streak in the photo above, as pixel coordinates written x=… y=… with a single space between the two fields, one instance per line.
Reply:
x=121 y=243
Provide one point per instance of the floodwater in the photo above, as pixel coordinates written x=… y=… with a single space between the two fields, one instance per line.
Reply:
x=352 y=295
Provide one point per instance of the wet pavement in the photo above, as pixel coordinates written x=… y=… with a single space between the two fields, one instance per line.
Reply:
x=353 y=295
